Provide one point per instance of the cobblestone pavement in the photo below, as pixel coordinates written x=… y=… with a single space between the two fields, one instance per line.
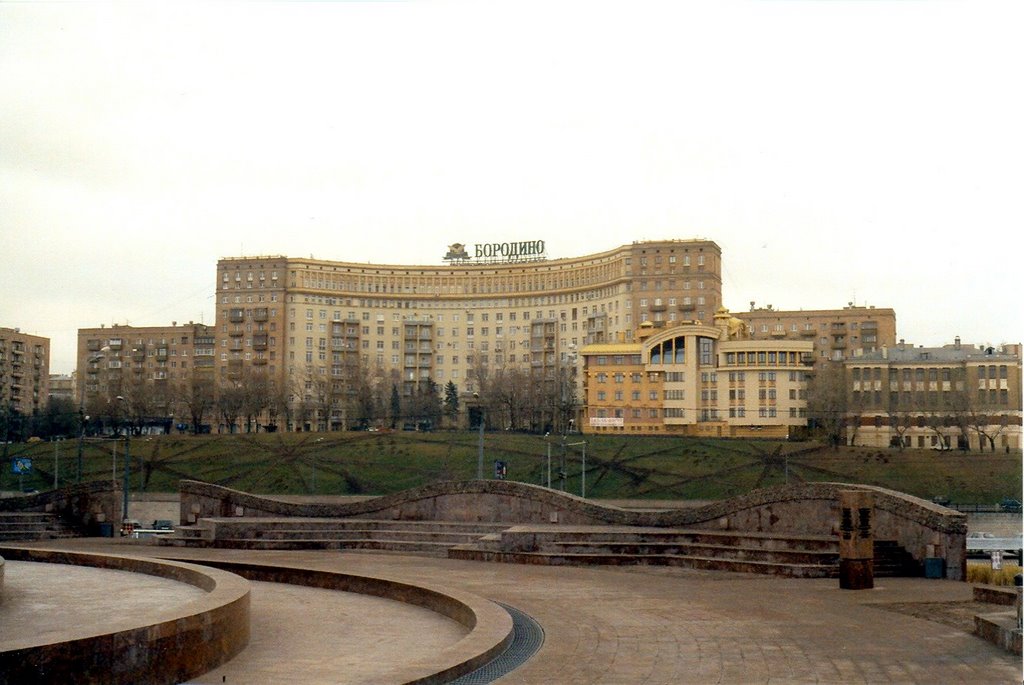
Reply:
x=663 y=625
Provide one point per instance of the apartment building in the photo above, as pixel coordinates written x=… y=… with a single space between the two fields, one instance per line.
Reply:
x=955 y=396
x=63 y=387
x=697 y=379
x=143 y=360
x=24 y=372
x=308 y=323
x=837 y=334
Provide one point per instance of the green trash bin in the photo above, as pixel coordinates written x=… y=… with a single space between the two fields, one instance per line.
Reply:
x=934 y=567
x=106 y=530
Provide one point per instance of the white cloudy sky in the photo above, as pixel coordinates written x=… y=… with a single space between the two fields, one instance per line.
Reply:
x=837 y=151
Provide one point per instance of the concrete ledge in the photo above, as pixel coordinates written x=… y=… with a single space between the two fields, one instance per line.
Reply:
x=999 y=629
x=490 y=625
x=995 y=594
x=186 y=642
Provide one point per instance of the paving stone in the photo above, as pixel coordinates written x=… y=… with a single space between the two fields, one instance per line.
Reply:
x=668 y=625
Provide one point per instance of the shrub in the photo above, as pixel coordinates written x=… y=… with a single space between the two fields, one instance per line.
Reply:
x=983 y=574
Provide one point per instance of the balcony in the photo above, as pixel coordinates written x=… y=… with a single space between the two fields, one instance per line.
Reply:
x=236 y=316
x=260 y=314
x=778 y=334
x=809 y=333
x=259 y=361
x=236 y=334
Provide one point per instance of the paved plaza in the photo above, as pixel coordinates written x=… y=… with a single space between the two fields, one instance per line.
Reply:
x=606 y=625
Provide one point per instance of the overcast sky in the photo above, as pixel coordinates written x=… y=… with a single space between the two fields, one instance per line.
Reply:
x=866 y=152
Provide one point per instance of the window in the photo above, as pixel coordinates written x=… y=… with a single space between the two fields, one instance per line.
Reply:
x=706 y=347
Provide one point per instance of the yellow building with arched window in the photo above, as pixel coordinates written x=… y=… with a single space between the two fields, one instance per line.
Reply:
x=697 y=379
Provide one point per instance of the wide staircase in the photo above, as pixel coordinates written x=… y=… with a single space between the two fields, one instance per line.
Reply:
x=28 y=526
x=431 y=538
x=801 y=556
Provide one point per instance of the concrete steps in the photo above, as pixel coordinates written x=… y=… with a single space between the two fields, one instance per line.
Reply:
x=798 y=556
x=801 y=556
x=432 y=538
x=31 y=526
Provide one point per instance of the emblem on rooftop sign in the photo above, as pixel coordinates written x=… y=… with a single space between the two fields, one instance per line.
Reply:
x=522 y=251
x=457 y=252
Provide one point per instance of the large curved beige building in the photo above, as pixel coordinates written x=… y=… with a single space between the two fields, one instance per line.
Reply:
x=306 y=322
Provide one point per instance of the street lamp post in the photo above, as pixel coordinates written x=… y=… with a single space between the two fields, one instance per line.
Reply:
x=480 y=441
x=313 y=462
x=127 y=465
x=583 y=472
x=549 y=458
x=56 y=463
x=82 y=418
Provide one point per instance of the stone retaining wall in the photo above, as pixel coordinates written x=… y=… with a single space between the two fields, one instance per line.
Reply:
x=185 y=643
x=81 y=507
x=924 y=529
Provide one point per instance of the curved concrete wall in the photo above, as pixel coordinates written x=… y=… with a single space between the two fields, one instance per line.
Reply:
x=490 y=626
x=924 y=529
x=185 y=643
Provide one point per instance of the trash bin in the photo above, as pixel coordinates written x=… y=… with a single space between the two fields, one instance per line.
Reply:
x=934 y=567
x=106 y=530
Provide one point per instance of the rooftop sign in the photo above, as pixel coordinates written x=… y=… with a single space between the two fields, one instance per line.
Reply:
x=523 y=251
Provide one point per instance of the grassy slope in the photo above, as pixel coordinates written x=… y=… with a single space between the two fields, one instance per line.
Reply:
x=617 y=467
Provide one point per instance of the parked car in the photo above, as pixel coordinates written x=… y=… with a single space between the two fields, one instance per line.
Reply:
x=163 y=524
x=1011 y=505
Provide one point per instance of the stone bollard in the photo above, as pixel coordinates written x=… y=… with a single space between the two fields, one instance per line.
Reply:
x=1018 y=581
x=856 y=540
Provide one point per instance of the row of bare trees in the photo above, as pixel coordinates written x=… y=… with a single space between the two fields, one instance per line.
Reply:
x=956 y=413
x=354 y=396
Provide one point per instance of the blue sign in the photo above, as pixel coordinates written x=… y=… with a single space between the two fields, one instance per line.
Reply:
x=20 y=465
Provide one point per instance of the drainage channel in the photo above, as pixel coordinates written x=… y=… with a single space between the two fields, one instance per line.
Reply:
x=527 y=638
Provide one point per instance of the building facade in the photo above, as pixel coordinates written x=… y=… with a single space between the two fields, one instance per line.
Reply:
x=149 y=365
x=24 y=372
x=311 y=325
x=951 y=397
x=697 y=379
x=837 y=334
x=63 y=387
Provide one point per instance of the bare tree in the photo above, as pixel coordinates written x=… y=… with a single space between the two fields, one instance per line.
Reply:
x=827 y=401
x=144 y=402
x=196 y=395
x=230 y=403
x=279 y=405
x=255 y=385
x=972 y=415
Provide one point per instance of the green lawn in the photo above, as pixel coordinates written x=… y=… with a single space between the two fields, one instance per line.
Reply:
x=616 y=467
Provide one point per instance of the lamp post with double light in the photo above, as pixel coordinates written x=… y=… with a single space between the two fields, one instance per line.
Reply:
x=82 y=418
